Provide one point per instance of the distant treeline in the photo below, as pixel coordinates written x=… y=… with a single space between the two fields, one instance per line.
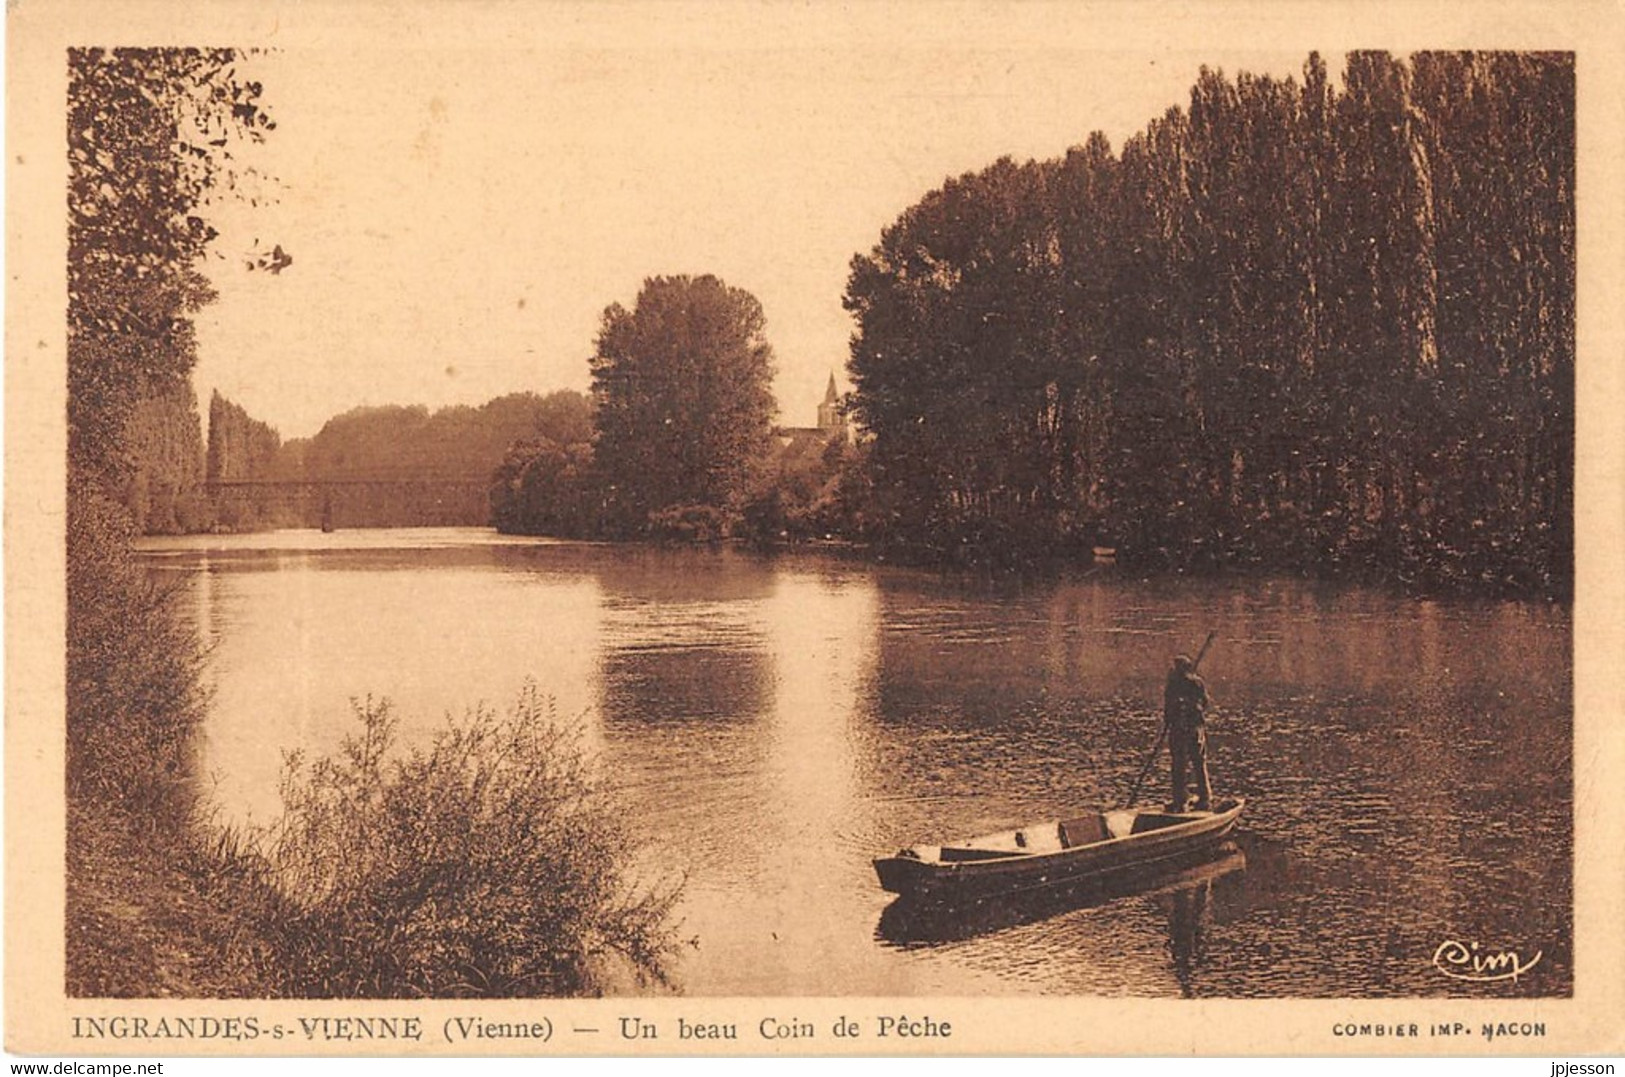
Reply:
x=369 y=467
x=1292 y=326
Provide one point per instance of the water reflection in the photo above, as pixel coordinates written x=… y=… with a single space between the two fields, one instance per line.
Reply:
x=908 y=923
x=771 y=724
x=1187 y=909
x=783 y=912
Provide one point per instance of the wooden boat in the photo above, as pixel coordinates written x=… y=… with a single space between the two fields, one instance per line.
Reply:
x=1052 y=853
x=910 y=922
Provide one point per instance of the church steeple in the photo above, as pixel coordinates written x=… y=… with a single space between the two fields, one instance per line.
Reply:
x=830 y=419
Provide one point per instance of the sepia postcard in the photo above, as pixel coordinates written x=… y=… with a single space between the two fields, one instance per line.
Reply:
x=762 y=528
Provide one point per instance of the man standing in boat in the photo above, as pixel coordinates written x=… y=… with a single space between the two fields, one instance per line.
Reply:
x=1184 y=708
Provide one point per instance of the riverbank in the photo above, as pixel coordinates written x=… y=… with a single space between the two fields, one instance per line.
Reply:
x=155 y=904
x=1414 y=580
x=151 y=914
x=347 y=894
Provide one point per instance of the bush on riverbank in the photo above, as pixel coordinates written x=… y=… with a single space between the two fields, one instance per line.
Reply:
x=489 y=864
x=153 y=906
x=133 y=690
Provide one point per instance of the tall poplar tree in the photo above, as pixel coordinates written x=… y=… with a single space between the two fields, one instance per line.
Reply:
x=1289 y=326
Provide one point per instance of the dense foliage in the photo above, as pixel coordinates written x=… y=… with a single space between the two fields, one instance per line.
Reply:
x=164 y=493
x=487 y=864
x=805 y=492
x=148 y=136
x=544 y=487
x=682 y=387
x=241 y=447
x=148 y=132
x=1290 y=326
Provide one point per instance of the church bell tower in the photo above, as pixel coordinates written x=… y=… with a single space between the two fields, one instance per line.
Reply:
x=830 y=419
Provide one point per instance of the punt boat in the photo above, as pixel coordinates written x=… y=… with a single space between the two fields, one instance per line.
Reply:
x=1096 y=844
x=910 y=922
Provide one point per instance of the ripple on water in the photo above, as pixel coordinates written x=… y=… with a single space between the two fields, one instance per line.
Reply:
x=769 y=727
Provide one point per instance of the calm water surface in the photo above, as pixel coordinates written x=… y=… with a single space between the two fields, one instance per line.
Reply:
x=773 y=723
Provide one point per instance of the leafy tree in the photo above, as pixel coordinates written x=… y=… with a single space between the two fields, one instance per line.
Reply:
x=1503 y=184
x=681 y=385
x=1380 y=370
x=241 y=447
x=1145 y=386
x=958 y=361
x=1090 y=222
x=149 y=137
x=1287 y=326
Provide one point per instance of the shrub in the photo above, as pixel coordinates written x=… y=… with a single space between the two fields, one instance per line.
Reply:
x=489 y=864
x=134 y=688
x=688 y=523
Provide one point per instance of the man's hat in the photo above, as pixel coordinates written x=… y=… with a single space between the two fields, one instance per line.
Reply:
x=1183 y=661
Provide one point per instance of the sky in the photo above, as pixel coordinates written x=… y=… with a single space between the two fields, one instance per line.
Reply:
x=459 y=217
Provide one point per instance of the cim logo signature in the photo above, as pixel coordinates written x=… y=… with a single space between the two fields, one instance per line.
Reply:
x=1465 y=961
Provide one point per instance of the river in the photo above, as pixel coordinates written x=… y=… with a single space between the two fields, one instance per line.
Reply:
x=772 y=723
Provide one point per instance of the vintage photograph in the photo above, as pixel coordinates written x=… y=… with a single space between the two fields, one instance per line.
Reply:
x=790 y=514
